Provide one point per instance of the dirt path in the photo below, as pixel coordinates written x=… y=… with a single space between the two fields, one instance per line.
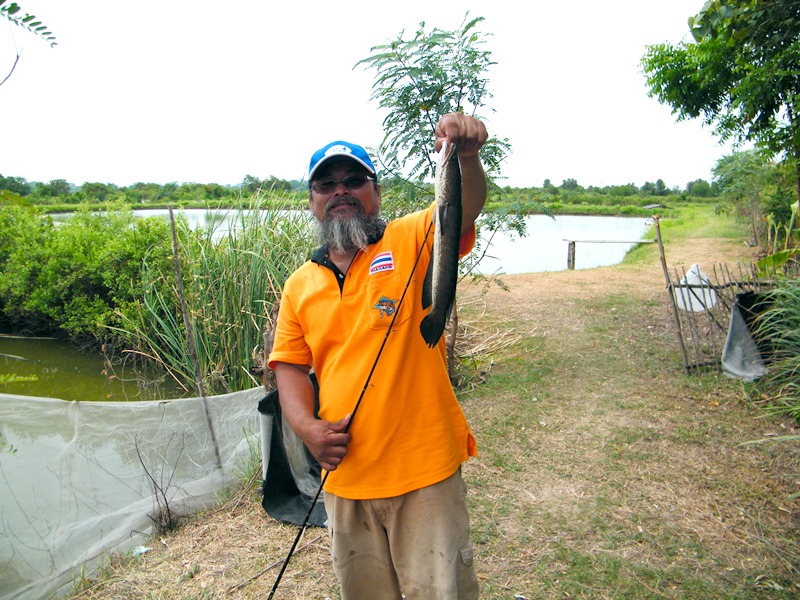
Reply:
x=625 y=458
x=604 y=471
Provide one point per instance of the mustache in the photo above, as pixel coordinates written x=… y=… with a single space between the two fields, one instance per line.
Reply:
x=342 y=200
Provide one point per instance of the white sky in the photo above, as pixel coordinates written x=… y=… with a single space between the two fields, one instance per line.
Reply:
x=202 y=91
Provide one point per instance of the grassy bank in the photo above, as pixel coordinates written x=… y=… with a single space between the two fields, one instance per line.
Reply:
x=604 y=471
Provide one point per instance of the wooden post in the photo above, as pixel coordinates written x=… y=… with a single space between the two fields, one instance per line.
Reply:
x=671 y=292
x=571 y=255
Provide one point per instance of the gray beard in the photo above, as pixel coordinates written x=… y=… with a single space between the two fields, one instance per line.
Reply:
x=342 y=235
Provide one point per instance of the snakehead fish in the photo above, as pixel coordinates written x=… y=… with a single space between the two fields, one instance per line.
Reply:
x=439 y=287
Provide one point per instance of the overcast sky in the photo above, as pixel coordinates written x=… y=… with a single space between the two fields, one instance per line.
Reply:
x=201 y=91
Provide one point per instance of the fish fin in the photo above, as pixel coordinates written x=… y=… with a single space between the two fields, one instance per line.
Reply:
x=427 y=287
x=441 y=220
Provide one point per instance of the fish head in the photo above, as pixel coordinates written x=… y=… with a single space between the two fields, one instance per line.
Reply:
x=448 y=152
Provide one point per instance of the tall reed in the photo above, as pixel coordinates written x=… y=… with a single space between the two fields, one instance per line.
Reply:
x=778 y=328
x=232 y=282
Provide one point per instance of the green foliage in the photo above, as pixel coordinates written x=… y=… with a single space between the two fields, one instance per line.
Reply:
x=659 y=188
x=776 y=261
x=699 y=187
x=748 y=182
x=740 y=74
x=59 y=192
x=11 y=11
x=782 y=244
x=768 y=24
x=77 y=277
x=422 y=78
x=18 y=185
x=570 y=184
x=56 y=188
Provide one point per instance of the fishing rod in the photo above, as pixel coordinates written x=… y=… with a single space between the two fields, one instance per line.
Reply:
x=355 y=409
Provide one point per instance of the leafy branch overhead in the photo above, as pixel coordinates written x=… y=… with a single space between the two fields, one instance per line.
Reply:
x=740 y=74
x=422 y=78
x=12 y=10
x=769 y=24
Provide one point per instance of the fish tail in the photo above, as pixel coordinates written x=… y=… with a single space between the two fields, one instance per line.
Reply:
x=432 y=328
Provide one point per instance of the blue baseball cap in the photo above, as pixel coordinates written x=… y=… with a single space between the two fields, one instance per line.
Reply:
x=340 y=149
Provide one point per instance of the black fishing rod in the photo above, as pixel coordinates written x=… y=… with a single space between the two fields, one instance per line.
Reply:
x=352 y=414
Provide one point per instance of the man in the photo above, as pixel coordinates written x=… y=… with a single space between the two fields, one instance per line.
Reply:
x=394 y=493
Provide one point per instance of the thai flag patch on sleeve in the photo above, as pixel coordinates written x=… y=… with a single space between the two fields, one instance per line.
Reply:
x=382 y=262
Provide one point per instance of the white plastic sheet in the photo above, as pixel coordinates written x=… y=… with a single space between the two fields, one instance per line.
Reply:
x=73 y=485
x=694 y=291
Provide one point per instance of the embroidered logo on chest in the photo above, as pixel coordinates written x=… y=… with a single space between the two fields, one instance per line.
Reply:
x=385 y=307
x=384 y=261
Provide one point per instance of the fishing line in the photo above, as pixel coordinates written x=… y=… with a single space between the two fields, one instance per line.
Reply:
x=355 y=409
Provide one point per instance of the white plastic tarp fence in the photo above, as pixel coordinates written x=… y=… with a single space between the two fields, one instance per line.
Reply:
x=694 y=291
x=73 y=486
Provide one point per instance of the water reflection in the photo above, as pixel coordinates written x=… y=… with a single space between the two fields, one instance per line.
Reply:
x=60 y=369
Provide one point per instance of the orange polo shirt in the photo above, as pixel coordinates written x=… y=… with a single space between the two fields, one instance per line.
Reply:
x=409 y=431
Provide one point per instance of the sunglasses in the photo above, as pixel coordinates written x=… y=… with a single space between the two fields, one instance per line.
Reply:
x=351 y=182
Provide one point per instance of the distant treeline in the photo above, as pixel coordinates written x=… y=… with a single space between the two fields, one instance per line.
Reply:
x=60 y=191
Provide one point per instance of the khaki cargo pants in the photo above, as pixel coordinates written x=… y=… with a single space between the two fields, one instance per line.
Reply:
x=415 y=546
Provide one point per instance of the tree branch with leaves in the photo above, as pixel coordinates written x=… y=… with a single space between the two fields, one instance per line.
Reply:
x=418 y=80
x=740 y=74
x=12 y=12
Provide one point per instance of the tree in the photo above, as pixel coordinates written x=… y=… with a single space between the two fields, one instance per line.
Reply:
x=97 y=191
x=56 y=187
x=620 y=190
x=699 y=187
x=251 y=184
x=569 y=184
x=769 y=24
x=419 y=80
x=741 y=74
x=18 y=185
x=742 y=178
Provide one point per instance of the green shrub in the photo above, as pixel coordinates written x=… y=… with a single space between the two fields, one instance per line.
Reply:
x=77 y=276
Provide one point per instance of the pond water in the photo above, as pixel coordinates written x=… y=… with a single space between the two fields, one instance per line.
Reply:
x=64 y=371
x=600 y=242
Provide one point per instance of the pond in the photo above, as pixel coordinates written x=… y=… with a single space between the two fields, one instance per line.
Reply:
x=66 y=372
x=62 y=370
x=599 y=242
